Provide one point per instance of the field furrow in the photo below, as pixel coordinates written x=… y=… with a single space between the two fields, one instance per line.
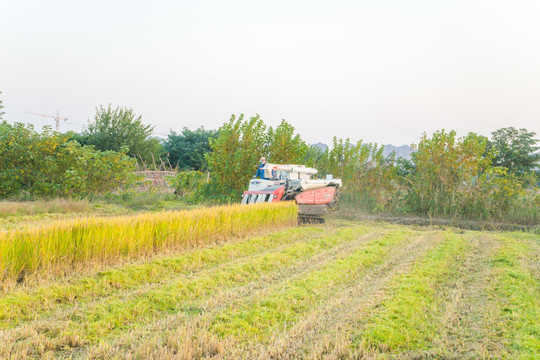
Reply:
x=462 y=329
x=201 y=310
x=30 y=303
x=513 y=320
x=326 y=327
x=203 y=326
x=344 y=290
x=410 y=319
x=89 y=323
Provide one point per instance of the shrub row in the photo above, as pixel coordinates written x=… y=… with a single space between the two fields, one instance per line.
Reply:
x=48 y=164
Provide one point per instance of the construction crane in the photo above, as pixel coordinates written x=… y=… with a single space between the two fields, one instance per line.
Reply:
x=57 y=118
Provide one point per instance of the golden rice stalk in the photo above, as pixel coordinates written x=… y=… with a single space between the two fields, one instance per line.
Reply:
x=64 y=245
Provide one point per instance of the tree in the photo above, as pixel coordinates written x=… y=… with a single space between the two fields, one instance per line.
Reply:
x=235 y=154
x=48 y=164
x=187 y=149
x=316 y=157
x=114 y=129
x=1 y=107
x=515 y=150
x=283 y=146
x=446 y=169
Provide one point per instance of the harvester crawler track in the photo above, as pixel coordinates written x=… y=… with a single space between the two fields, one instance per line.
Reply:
x=310 y=219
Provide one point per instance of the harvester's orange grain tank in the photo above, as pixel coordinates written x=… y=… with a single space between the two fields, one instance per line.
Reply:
x=318 y=196
x=314 y=203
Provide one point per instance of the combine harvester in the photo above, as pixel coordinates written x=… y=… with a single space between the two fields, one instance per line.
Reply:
x=315 y=197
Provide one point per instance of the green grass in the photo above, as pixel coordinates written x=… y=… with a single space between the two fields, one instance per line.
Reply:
x=286 y=302
x=409 y=319
x=516 y=292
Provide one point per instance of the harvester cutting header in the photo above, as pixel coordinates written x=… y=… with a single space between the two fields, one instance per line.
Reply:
x=315 y=197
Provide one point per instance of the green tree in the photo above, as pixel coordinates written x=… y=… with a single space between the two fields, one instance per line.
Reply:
x=446 y=169
x=368 y=178
x=117 y=128
x=235 y=154
x=317 y=158
x=1 y=107
x=49 y=164
x=515 y=149
x=345 y=158
x=284 y=147
x=187 y=149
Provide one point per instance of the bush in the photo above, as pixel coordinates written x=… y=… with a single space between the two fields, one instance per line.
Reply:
x=189 y=185
x=454 y=177
x=446 y=169
x=48 y=165
x=446 y=177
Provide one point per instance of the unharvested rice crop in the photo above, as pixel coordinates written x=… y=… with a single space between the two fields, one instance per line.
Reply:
x=61 y=246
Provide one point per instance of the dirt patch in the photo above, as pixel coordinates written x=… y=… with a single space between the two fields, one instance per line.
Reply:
x=437 y=222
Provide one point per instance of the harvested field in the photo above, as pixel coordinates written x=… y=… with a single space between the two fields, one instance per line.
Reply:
x=338 y=291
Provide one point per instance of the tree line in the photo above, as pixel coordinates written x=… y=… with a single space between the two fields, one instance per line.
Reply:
x=470 y=177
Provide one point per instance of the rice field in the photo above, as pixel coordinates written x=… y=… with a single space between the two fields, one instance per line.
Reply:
x=344 y=290
x=59 y=247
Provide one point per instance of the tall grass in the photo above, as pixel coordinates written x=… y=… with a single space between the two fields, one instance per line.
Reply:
x=64 y=245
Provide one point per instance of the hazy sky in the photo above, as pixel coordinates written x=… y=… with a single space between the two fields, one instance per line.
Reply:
x=382 y=71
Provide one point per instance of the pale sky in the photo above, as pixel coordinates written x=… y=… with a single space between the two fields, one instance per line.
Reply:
x=382 y=71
